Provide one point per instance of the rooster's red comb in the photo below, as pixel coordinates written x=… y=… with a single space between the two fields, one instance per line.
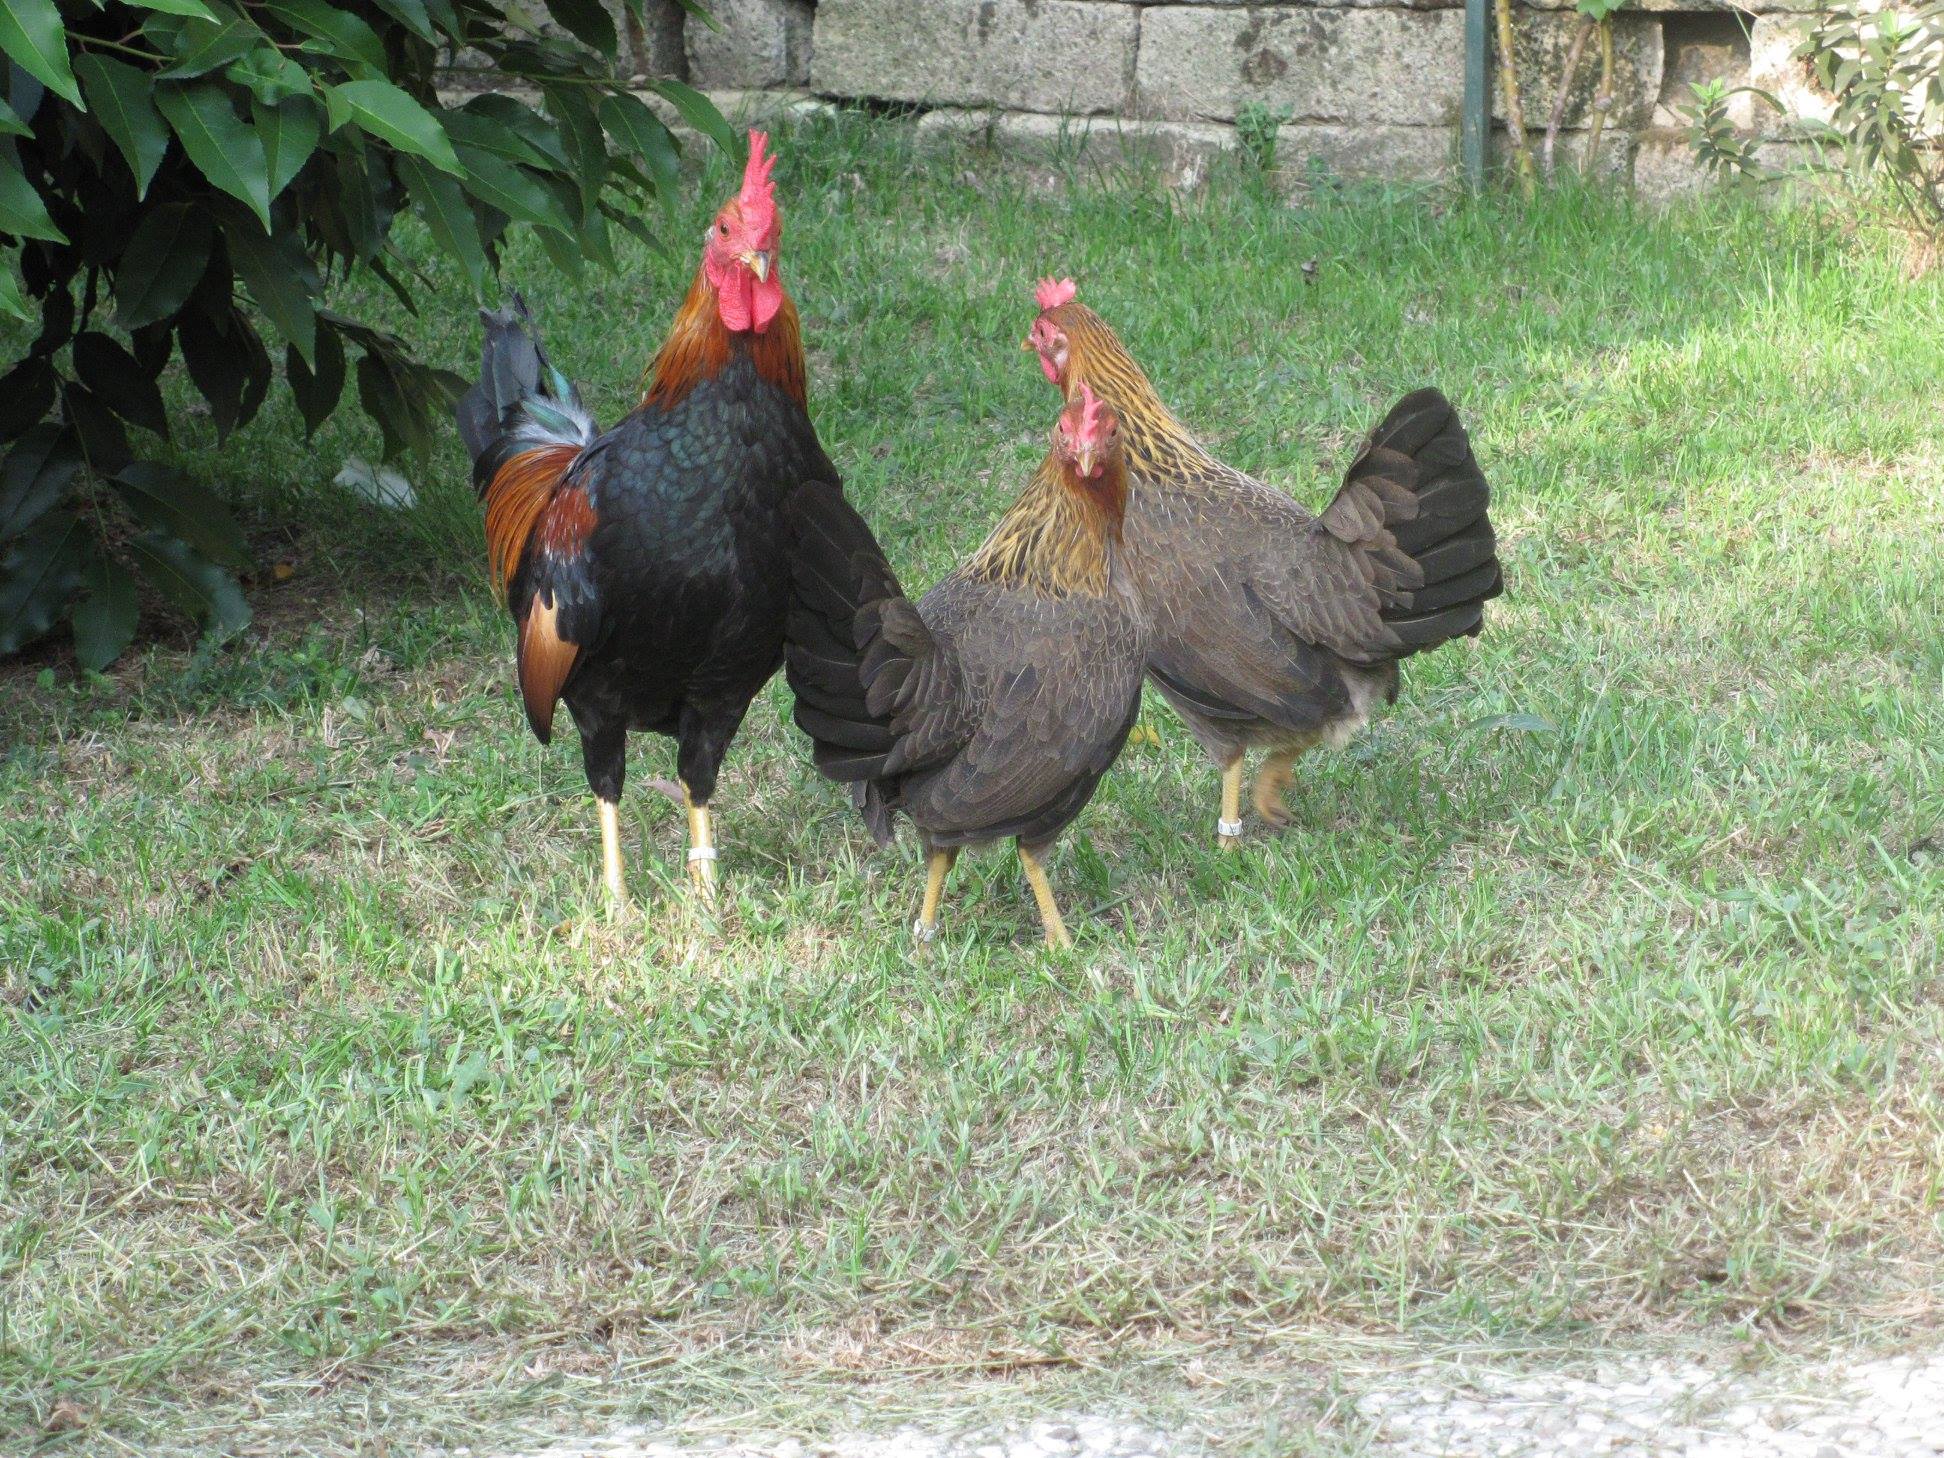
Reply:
x=758 y=196
x=1050 y=293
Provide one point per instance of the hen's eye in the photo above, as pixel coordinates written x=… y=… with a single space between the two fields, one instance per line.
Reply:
x=723 y=229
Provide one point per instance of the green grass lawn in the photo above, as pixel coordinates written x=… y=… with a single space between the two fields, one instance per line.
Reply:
x=1592 y=1000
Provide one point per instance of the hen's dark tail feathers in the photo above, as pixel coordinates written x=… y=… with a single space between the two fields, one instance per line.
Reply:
x=853 y=640
x=521 y=402
x=1418 y=471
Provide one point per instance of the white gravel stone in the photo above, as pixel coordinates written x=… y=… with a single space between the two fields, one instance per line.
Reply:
x=1874 y=1408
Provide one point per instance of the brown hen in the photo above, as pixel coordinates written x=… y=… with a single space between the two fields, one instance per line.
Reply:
x=1271 y=626
x=993 y=706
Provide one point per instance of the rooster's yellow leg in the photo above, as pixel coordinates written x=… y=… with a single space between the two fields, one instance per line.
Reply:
x=1270 y=782
x=1228 y=828
x=702 y=847
x=936 y=868
x=617 y=888
x=1056 y=932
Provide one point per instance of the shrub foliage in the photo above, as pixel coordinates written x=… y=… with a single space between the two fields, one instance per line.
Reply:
x=1884 y=67
x=184 y=178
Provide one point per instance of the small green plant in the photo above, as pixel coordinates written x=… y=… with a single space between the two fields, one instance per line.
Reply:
x=1885 y=71
x=1256 y=127
x=1722 y=148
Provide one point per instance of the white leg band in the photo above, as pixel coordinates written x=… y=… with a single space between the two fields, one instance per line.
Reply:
x=1229 y=828
x=924 y=931
x=701 y=853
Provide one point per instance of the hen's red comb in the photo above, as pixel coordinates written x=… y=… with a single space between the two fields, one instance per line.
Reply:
x=1050 y=293
x=758 y=196
x=1090 y=408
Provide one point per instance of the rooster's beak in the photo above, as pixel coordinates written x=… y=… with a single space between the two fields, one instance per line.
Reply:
x=757 y=262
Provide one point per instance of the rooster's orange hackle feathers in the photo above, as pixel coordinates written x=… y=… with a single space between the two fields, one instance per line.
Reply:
x=516 y=496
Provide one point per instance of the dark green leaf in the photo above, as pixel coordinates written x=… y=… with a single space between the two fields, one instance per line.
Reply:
x=120 y=96
x=215 y=366
x=26 y=395
x=446 y=18
x=564 y=252
x=31 y=32
x=586 y=21
x=195 y=585
x=34 y=476
x=510 y=128
x=574 y=112
x=162 y=263
x=401 y=397
x=699 y=112
x=22 y=213
x=104 y=444
x=635 y=226
x=57 y=318
x=37 y=576
x=209 y=45
x=475 y=135
x=162 y=497
x=104 y=619
x=281 y=279
x=193 y=8
x=10 y=123
x=412 y=15
x=317 y=391
x=229 y=153
x=630 y=122
x=443 y=204
x=389 y=114
x=335 y=32
x=119 y=381
x=348 y=214
x=290 y=131
x=514 y=192
x=12 y=303
x=270 y=76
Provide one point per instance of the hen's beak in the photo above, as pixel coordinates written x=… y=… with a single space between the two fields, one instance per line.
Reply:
x=1027 y=343
x=1084 y=459
x=757 y=262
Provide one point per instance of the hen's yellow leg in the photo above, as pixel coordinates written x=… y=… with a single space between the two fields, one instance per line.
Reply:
x=702 y=847
x=1056 y=932
x=936 y=869
x=611 y=851
x=1228 y=827
x=1270 y=782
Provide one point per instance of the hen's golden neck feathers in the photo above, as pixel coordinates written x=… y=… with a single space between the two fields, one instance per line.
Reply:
x=699 y=344
x=1156 y=443
x=1059 y=537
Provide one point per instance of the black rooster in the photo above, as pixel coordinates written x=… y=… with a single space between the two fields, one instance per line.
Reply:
x=646 y=566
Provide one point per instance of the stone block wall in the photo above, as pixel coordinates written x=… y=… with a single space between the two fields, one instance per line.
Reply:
x=1370 y=88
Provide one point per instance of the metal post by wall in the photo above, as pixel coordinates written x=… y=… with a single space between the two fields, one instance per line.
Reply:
x=1474 y=121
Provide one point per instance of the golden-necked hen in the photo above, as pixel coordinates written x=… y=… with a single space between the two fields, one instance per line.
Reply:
x=1273 y=626
x=992 y=706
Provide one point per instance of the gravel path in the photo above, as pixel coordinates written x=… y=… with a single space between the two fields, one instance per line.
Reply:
x=1889 y=1407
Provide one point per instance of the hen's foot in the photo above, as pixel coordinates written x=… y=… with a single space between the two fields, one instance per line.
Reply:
x=1050 y=921
x=1228 y=825
x=1271 y=780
